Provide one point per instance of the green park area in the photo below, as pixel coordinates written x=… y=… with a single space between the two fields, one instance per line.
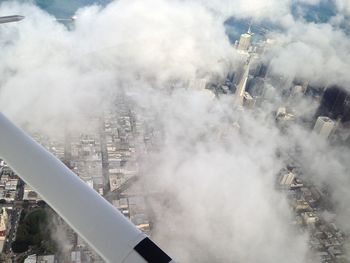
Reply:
x=33 y=232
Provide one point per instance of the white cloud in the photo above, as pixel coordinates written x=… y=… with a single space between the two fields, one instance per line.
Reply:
x=47 y=66
x=316 y=52
x=343 y=6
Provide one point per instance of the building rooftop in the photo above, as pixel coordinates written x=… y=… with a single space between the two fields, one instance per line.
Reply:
x=46 y=259
x=30 y=259
x=325 y=119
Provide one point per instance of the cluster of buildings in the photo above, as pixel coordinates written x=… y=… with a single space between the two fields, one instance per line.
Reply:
x=10 y=191
x=106 y=157
x=251 y=85
x=327 y=241
x=135 y=208
x=125 y=145
x=121 y=146
x=84 y=157
x=40 y=259
x=310 y=204
x=8 y=183
x=74 y=257
x=334 y=112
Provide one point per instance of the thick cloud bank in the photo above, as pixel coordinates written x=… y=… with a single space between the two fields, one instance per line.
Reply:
x=46 y=66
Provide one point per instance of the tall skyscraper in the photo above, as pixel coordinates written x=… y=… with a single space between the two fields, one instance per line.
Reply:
x=242 y=83
x=244 y=41
x=335 y=104
x=324 y=126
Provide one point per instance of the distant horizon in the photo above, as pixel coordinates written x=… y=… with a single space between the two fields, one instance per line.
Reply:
x=64 y=8
x=320 y=13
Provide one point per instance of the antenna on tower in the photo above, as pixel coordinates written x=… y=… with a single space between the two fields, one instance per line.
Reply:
x=250 y=28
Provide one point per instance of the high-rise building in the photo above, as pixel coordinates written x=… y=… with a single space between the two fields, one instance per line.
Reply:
x=324 y=126
x=285 y=115
x=335 y=104
x=261 y=70
x=46 y=259
x=30 y=259
x=244 y=41
x=242 y=83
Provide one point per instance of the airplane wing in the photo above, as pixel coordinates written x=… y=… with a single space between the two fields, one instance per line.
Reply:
x=9 y=19
x=101 y=225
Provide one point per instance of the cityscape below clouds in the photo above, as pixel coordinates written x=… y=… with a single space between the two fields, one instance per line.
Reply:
x=219 y=129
